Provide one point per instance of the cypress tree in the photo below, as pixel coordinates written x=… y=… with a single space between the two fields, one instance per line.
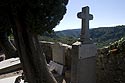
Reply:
x=27 y=19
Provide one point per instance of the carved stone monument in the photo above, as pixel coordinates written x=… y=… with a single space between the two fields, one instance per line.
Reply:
x=83 y=68
x=85 y=16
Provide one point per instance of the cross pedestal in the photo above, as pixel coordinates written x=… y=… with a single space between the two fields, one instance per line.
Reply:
x=83 y=67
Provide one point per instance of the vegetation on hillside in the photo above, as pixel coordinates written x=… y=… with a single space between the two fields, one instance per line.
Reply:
x=102 y=36
x=111 y=63
x=65 y=40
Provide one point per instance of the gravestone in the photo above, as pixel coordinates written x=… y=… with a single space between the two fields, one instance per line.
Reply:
x=83 y=68
x=85 y=16
x=9 y=70
x=10 y=65
x=58 y=53
x=55 y=66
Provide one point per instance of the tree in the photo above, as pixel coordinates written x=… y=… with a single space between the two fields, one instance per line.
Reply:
x=27 y=19
x=7 y=47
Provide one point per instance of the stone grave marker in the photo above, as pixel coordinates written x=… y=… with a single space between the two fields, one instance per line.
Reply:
x=83 y=68
x=58 y=53
x=85 y=16
x=55 y=66
x=9 y=70
x=10 y=65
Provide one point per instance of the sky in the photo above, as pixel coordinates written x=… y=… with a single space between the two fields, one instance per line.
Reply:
x=106 y=13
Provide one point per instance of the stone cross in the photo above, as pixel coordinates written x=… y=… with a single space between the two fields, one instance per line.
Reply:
x=85 y=16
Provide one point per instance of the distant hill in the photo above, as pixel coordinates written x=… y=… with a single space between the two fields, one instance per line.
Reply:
x=102 y=35
x=69 y=33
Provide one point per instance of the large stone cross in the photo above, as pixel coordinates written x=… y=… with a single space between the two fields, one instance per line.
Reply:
x=85 y=16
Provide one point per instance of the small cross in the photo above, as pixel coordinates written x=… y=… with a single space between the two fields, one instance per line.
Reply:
x=85 y=16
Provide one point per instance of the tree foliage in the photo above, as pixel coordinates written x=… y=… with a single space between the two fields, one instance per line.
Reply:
x=39 y=15
x=27 y=18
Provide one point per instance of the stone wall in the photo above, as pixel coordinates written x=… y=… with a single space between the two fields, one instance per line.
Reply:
x=47 y=49
x=111 y=63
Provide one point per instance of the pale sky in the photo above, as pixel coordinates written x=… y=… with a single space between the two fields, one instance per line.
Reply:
x=105 y=12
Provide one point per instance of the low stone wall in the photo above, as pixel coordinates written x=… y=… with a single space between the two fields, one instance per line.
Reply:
x=111 y=63
x=47 y=49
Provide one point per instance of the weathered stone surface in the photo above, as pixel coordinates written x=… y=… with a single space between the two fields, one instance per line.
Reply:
x=11 y=74
x=9 y=62
x=85 y=16
x=87 y=50
x=10 y=79
x=56 y=67
x=59 y=52
x=83 y=69
x=10 y=65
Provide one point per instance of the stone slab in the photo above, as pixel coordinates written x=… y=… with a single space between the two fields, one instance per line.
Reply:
x=83 y=69
x=86 y=70
x=87 y=50
x=55 y=66
x=10 y=65
x=11 y=74
x=58 y=52
x=9 y=62
x=10 y=79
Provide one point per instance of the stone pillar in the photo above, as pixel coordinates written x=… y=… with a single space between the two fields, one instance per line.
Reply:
x=83 y=67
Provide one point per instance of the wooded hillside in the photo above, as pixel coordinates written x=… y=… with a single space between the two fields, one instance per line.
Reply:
x=103 y=36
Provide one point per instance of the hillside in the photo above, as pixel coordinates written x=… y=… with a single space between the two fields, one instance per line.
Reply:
x=102 y=35
x=69 y=33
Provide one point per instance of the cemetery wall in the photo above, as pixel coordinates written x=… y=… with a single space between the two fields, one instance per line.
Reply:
x=111 y=63
x=47 y=49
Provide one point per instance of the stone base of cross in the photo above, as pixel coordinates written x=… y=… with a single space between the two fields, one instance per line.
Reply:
x=85 y=40
x=85 y=16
